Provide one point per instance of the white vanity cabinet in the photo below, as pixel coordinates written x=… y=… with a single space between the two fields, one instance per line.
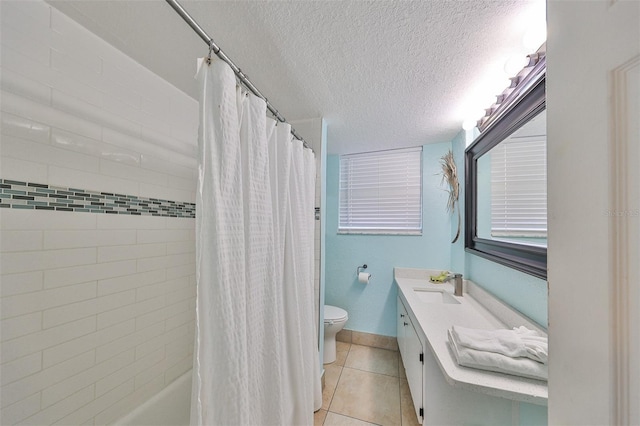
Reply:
x=412 y=355
x=444 y=393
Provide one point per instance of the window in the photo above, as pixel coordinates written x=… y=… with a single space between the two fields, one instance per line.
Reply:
x=519 y=188
x=381 y=192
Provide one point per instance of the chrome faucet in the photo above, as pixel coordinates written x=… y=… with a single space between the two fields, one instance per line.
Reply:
x=457 y=283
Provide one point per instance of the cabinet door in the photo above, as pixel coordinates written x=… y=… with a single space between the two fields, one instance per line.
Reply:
x=413 y=365
x=402 y=318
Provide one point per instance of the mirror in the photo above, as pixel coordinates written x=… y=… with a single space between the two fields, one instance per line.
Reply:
x=505 y=181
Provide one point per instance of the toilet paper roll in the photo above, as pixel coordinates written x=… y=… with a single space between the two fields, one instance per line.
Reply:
x=364 y=277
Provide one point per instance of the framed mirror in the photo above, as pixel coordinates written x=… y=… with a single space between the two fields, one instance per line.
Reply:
x=506 y=183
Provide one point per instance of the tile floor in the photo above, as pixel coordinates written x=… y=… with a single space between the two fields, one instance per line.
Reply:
x=365 y=386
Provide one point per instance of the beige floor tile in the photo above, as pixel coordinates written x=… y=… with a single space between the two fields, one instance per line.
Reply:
x=367 y=396
x=409 y=417
x=401 y=371
x=318 y=417
x=342 y=350
x=332 y=374
x=375 y=360
x=334 y=419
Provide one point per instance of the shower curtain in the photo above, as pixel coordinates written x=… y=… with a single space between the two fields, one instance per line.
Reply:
x=255 y=358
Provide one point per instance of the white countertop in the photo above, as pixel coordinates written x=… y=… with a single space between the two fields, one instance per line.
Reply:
x=435 y=319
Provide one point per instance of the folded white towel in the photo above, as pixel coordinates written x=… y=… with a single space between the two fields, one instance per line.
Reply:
x=519 y=342
x=492 y=361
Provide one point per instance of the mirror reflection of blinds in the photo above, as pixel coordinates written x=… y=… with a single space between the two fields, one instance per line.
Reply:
x=381 y=192
x=519 y=188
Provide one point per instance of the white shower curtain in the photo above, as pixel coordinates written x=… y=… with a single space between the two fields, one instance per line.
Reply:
x=256 y=358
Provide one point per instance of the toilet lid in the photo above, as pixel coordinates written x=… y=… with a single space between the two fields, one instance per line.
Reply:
x=333 y=313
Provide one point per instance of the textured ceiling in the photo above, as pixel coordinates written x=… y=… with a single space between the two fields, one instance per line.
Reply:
x=383 y=74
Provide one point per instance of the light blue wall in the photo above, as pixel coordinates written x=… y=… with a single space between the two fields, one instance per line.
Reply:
x=372 y=307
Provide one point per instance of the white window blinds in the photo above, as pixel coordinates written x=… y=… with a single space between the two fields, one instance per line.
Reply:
x=381 y=192
x=519 y=188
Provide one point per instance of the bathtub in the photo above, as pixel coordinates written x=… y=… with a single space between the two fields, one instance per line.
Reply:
x=170 y=407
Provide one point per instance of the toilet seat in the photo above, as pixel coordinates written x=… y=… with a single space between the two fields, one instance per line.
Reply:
x=334 y=314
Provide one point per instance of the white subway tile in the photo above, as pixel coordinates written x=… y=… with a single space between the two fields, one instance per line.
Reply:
x=152 y=372
x=182 y=223
x=14 y=60
x=47 y=154
x=123 y=109
x=20 y=326
x=185 y=184
x=150 y=291
x=62 y=408
x=139 y=251
x=27 y=14
x=112 y=381
x=127 y=342
x=18 y=105
x=180 y=319
x=71 y=312
x=47 y=377
x=26 y=43
x=69 y=239
x=116 y=237
x=181 y=247
x=91 y=181
x=65 y=351
x=65 y=83
x=24 y=170
x=20 y=410
x=85 y=69
x=18 y=84
x=11 y=285
x=167 y=166
x=135 y=173
x=21 y=346
x=166 y=141
x=150 y=318
x=61 y=390
x=178 y=369
x=92 y=113
x=150 y=346
x=126 y=282
x=126 y=405
x=164 y=193
x=106 y=319
x=21 y=367
x=146 y=236
x=103 y=401
x=151 y=264
x=93 y=147
x=97 y=271
x=131 y=222
x=35 y=219
x=177 y=308
x=181 y=271
x=156 y=104
x=16 y=262
x=21 y=304
x=20 y=240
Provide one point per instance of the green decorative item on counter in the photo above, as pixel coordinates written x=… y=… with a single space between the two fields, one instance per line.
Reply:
x=450 y=176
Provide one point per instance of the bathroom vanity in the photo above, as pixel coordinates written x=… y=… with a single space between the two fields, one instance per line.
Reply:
x=442 y=391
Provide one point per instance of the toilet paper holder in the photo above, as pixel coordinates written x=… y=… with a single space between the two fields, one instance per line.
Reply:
x=360 y=267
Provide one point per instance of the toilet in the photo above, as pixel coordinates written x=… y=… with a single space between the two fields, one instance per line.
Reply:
x=334 y=320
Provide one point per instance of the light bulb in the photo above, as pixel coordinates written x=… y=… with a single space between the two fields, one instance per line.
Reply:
x=469 y=124
x=534 y=37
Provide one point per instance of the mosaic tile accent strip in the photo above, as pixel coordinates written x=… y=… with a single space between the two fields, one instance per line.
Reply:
x=35 y=196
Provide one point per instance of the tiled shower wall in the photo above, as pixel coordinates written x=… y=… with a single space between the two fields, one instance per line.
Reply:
x=97 y=309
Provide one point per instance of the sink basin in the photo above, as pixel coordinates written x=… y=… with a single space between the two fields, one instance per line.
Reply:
x=435 y=296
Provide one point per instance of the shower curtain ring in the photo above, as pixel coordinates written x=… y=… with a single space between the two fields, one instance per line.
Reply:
x=210 y=50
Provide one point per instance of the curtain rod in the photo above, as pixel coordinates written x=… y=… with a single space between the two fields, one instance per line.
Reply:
x=241 y=76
